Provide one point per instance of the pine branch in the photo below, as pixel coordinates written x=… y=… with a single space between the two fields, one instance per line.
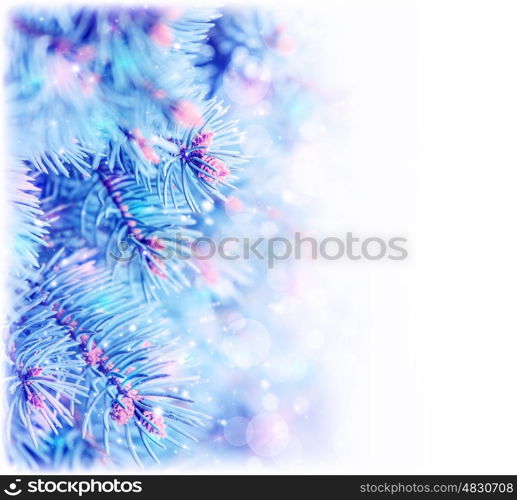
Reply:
x=27 y=226
x=44 y=380
x=124 y=149
x=127 y=363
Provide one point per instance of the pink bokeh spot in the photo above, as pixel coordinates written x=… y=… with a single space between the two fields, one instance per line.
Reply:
x=156 y=267
x=85 y=53
x=187 y=114
x=150 y=154
x=234 y=204
x=147 y=150
x=62 y=73
x=285 y=45
x=162 y=35
x=159 y=94
x=274 y=213
x=89 y=84
x=208 y=271
x=280 y=41
x=173 y=13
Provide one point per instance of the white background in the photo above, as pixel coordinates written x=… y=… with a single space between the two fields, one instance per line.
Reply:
x=424 y=363
x=429 y=151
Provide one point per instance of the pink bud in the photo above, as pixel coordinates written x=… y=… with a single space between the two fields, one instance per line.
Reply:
x=36 y=400
x=122 y=415
x=34 y=372
x=94 y=355
x=63 y=46
x=158 y=422
x=156 y=244
x=219 y=170
x=203 y=139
